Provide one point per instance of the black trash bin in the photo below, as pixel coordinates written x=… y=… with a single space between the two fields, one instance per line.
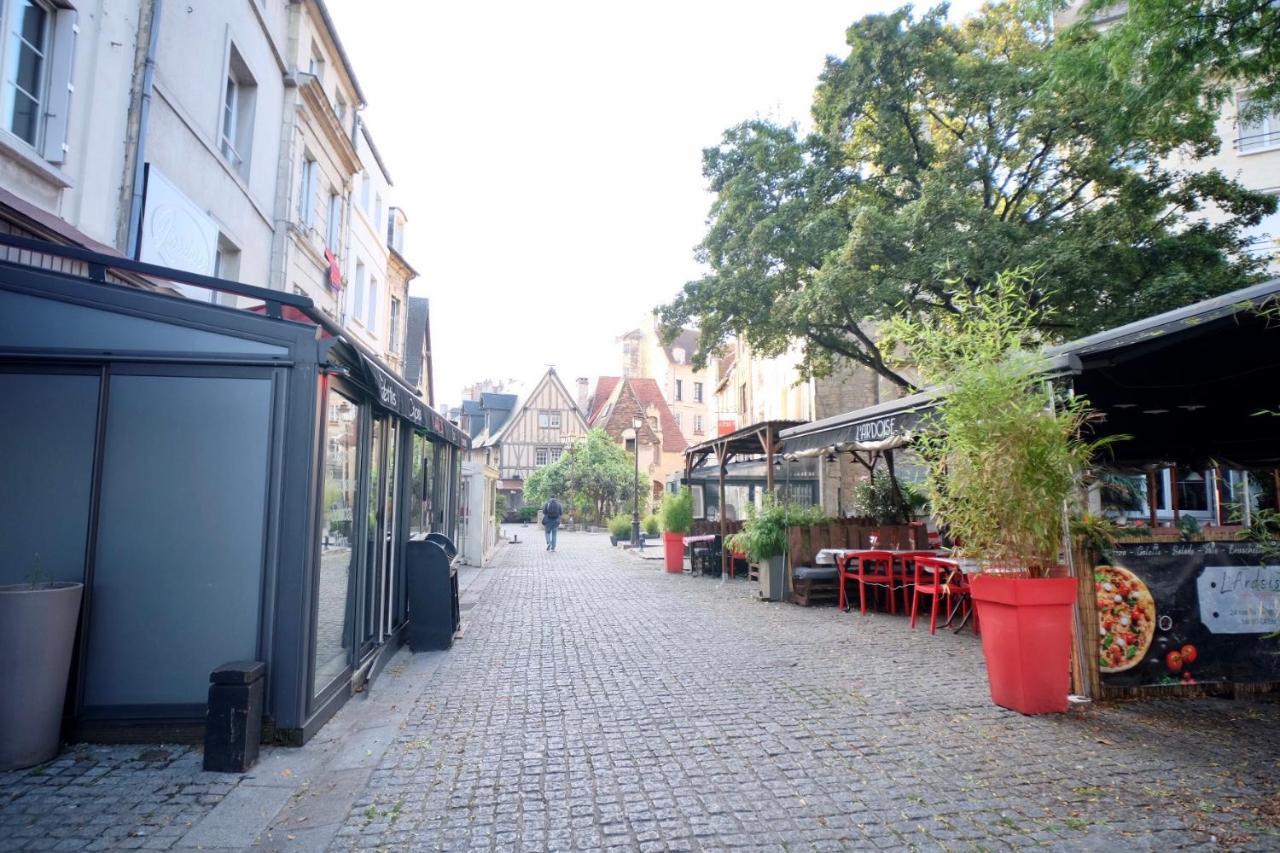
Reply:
x=432 y=580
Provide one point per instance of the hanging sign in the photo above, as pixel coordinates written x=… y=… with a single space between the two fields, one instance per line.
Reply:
x=1188 y=612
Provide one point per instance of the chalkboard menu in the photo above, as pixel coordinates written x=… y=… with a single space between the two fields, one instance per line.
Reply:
x=1188 y=612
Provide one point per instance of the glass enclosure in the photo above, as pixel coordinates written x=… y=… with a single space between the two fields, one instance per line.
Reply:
x=333 y=628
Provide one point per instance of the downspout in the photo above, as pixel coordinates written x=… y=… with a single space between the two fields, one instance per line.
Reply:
x=133 y=237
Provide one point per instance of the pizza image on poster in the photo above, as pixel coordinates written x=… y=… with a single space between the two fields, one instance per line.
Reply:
x=1188 y=612
x=1126 y=618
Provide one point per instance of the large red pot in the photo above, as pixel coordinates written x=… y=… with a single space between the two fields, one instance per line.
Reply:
x=1026 y=638
x=673 y=543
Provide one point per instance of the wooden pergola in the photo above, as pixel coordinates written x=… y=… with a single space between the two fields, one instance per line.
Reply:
x=755 y=440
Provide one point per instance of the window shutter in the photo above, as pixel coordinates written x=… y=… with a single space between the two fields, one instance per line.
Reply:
x=61 y=67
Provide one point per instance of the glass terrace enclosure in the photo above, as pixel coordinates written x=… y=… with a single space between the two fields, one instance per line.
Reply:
x=228 y=485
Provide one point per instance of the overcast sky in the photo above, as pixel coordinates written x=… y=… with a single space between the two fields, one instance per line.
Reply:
x=548 y=155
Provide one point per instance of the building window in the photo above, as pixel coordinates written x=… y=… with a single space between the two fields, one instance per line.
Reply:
x=340 y=107
x=1257 y=134
x=27 y=68
x=697 y=392
x=393 y=333
x=316 y=67
x=371 y=321
x=679 y=390
x=742 y=398
x=357 y=293
x=333 y=234
x=237 y=112
x=679 y=420
x=540 y=456
x=377 y=212
x=307 y=191
x=549 y=420
x=36 y=56
x=697 y=424
x=226 y=260
x=365 y=186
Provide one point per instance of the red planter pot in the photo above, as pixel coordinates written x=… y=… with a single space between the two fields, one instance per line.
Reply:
x=673 y=543
x=1026 y=638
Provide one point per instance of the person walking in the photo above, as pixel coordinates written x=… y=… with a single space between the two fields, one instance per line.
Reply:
x=551 y=511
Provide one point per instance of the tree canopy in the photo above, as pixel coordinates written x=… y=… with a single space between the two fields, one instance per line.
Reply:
x=1214 y=45
x=593 y=477
x=941 y=155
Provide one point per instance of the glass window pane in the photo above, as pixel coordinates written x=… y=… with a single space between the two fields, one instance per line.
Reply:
x=341 y=478
x=177 y=579
x=32 y=18
x=373 y=529
x=47 y=433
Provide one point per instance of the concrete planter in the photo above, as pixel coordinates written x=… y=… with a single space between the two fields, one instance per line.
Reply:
x=37 y=632
x=773 y=578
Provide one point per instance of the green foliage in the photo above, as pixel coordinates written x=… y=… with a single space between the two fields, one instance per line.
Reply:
x=651 y=525
x=594 y=477
x=528 y=513
x=1004 y=452
x=943 y=154
x=499 y=508
x=1211 y=46
x=1188 y=526
x=887 y=500
x=620 y=526
x=676 y=512
x=764 y=533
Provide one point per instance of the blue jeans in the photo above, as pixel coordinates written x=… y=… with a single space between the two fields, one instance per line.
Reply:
x=552 y=524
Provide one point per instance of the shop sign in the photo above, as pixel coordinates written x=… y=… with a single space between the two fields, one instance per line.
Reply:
x=1188 y=612
x=876 y=430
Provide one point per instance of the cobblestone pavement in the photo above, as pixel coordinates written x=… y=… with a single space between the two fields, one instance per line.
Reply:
x=599 y=703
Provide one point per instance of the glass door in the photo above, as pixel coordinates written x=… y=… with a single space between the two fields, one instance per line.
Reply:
x=390 y=534
x=372 y=551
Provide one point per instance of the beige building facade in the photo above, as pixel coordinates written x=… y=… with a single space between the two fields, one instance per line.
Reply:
x=688 y=392
x=614 y=406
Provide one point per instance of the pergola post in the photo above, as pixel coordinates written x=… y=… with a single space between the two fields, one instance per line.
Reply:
x=1151 y=495
x=722 y=457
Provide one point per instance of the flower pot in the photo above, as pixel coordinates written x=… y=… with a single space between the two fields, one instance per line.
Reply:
x=37 y=632
x=1026 y=639
x=773 y=578
x=673 y=543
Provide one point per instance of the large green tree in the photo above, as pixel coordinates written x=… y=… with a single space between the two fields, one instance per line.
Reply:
x=942 y=154
x=1212 y=45
x=594 y=477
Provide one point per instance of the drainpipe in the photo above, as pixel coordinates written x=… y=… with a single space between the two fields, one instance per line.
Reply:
x=133 y=238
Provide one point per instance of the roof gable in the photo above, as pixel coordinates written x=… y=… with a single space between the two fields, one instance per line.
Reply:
x=549 y=378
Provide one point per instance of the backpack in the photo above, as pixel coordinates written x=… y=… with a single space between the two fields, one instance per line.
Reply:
x=552 y=509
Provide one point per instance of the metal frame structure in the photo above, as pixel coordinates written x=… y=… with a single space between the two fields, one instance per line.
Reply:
x=304 y=356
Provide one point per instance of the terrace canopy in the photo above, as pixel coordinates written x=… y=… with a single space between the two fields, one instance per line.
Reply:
x=761 y=439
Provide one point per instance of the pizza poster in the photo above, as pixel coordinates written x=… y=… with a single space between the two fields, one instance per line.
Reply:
x=1188 y=612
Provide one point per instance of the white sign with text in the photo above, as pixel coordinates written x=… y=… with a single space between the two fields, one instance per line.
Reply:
x=1240 y=599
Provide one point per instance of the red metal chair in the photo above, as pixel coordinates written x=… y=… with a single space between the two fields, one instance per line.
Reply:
x=905 y=574
x=940 y=579
x=874 y=569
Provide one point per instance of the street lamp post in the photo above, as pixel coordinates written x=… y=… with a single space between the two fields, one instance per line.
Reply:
x=636 y=423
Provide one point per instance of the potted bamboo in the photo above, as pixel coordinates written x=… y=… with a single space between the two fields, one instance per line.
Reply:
x=37 y=631
x=677 y=518
x=1005 y=454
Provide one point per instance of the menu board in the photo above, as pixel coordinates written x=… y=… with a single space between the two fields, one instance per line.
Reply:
x=1188 y=612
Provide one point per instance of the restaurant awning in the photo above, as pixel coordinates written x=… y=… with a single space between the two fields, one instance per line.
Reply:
x=395 y=395
x=880 y=427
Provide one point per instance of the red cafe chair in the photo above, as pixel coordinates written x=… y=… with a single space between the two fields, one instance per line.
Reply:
x=872 y=568
x=939 y=579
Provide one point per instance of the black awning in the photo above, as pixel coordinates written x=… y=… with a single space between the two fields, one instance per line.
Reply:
x=883 y=426
x=396 y=396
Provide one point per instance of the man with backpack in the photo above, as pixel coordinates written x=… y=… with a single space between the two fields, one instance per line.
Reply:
x=551 y=521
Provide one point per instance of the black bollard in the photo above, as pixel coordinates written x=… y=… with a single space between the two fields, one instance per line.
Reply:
x=233 y=728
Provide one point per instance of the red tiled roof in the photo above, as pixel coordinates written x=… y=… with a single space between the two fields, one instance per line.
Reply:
x=649 y=394
x=604 y=390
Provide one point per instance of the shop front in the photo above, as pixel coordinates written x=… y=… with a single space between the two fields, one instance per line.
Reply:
x=227 y=485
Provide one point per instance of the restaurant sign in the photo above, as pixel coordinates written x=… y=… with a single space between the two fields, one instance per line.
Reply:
x=1188 y=612
x=876 y=430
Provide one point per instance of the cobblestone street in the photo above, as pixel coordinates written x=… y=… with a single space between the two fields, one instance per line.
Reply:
x=596 y=702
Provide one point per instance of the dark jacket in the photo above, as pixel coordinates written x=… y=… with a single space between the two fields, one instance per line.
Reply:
x=551 y=511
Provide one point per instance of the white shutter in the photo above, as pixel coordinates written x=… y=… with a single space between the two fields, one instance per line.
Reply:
x=61 y=67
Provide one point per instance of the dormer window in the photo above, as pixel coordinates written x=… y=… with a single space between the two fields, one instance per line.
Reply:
x=678 y=355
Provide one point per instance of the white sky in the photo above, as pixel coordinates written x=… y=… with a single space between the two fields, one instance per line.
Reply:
x=548 y=155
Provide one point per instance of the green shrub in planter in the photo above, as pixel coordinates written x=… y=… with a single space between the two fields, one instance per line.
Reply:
x=651 y=525
x=676 y=513
x=764 y=533
x=620 y=527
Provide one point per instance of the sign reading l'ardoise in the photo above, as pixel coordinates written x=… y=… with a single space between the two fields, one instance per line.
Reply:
x=876 y=430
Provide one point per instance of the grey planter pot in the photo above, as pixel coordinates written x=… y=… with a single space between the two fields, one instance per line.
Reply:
x=773 y=578
x=37 y=632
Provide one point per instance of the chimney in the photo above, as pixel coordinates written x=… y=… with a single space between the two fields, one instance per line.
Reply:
x=583 y=384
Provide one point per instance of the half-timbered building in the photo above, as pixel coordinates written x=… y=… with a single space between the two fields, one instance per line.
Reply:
x=543 y=425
